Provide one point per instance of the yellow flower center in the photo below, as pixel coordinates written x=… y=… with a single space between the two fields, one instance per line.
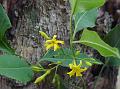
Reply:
x=53 y=43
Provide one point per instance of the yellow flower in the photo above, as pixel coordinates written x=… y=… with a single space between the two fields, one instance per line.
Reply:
x=76 y=69
x=53 y=43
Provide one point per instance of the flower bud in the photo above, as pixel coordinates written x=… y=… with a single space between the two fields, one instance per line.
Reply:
x=77 y=53
x=88 y=63
x=39 y=79
x=36 y=69
x=44 y=35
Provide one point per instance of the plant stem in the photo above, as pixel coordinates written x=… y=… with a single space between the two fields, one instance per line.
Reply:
x=71 y=34
x=71 y=39
x=84 y=83
x=100 y=74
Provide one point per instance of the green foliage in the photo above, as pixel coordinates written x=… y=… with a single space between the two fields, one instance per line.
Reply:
x=4 y=25
x=85 y=19
x=10 y=65
x=112 y=38
x=92 y=39
x=65 y=57
x=15 y=67
x=84 y=5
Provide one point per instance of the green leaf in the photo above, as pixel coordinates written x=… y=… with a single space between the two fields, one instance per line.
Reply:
x=4 y=25
x=84 y=5
x=66 y=57
x=92 y=39
x=85 y=19
x=113 y=39
x=16 y=68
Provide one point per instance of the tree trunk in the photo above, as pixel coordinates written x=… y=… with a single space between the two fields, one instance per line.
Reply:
x=53 y=18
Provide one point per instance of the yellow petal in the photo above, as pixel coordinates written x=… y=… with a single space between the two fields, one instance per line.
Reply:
x=71 y=66
x=78 y=73
x=77 y=67
x=71 y=73
x=56 y=46
x=54 y=37
x=46 y=44
x=49 y=41
x=82 y=70
x=49 y=46
x=59 y=41
x=44 y=35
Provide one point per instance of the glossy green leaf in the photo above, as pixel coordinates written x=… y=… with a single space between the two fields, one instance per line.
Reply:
x=85 y=19
x=92 y=39
x=16 y=68
x=66 y=57
x=4 y=25
x=84 y=5
x=113 y=39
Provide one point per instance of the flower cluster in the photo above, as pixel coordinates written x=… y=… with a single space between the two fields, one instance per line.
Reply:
x=53 y=43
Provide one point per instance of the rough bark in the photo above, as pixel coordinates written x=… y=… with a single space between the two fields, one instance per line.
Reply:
x=51 y=15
